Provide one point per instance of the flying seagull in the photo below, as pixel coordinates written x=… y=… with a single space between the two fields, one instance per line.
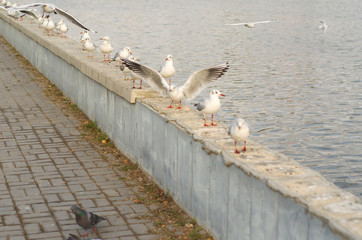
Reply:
x=189 y=90
x=51 y=8
x=250 y=24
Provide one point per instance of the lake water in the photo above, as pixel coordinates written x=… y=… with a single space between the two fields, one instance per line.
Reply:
x=300 y=90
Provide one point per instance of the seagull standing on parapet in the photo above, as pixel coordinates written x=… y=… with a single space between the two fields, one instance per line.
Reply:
x=86 y=220
x=135 y=76
x=250 y=24
x=51 y=8
x=239 y=131
x=324 y=26
x=84 y=35
x=192 y=87
x=89 y=46
x=124 y=53
x=125 y=69
x=57 y=26
x=168 y=70
x=63 y=30
x=106 y=48
x=210 y=105
x=50 y=27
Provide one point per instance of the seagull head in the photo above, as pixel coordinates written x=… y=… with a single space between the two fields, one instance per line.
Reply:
x=172 y=88
x=105 y=38
x=240 y=123
x=133 y=58
x=216 y=92
x=128 y=49
x=169 y=58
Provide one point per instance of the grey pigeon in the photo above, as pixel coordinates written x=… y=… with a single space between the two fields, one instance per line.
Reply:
x=86 y=220
x=73 y=237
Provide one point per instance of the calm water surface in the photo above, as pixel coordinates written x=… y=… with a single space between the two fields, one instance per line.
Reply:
x=300 y=90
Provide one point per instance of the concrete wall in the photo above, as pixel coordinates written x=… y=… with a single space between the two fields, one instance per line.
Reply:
x=256 y=195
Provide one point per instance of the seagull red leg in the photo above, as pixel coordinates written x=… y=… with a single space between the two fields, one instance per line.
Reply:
x=179 y=106
x=236 y=149
x=170 y=104
x=140 y=84
x=212 y=120
x=244 y=149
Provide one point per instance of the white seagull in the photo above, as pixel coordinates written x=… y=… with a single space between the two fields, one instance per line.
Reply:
x=125 y=69
x=51 y=8
x=192 y=87
x=324 y=26
x=124 y=53
x=106 y=48
x=239 y=131
x=168 y=70
x=63 y=30
x=250 y=24
x=50 y=27
x=85 y=35
x=210 y=105
x=89 y=46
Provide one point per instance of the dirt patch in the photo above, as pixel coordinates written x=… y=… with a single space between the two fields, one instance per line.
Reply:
x=169 y=220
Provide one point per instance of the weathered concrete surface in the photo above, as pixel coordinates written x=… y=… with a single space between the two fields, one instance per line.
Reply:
x=46 y=167
x=256 y=195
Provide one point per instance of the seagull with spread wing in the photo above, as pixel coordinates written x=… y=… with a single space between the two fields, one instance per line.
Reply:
x=51 y=8
x=191 y=88
x=250 y=24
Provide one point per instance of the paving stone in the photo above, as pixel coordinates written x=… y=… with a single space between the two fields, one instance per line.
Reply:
x=41 y=178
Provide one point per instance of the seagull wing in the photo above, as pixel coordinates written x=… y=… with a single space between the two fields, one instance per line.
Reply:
x=29 y=12
x=31 y=5
x=245 y=23
x=151 y=76
x=268 y=21
x=72 y=19
x=198 y=80
x=235 y=24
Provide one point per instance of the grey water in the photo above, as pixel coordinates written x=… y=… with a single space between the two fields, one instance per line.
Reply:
x=300 y=90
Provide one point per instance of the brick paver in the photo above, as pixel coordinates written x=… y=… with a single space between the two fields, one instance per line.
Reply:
x=46 y=167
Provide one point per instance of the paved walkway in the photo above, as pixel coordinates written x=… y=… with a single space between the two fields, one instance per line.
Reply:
x=46 y=167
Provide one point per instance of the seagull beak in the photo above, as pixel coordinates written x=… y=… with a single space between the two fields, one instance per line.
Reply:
x=166 y=59
x=222 y=95
x=101 y=39
x=131 y=53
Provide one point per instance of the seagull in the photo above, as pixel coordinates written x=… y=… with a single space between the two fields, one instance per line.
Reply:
x=63 y=30
x=19 y=12
x=135 y=76
x=86 y=219
x=239 y=131
x=89 y=46
x=106 y=48
x=192 y=87
x=57 y=26
x=51 y=8
x=124 y=53
x=125 y=69
x=250 y=24
x=168 y=70
x=209 y=105
x=85 y=35
x=324 y=26
x=50 y=27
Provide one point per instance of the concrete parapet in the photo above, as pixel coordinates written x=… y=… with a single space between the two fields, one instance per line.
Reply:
x=256 y=195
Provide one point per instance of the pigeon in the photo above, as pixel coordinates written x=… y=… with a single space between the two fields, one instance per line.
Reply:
x=191 y=88
x=86 y=220
x=239 y=131
x=250 y=24
x=73 y=237
x=168 y=70
x=209 y=105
